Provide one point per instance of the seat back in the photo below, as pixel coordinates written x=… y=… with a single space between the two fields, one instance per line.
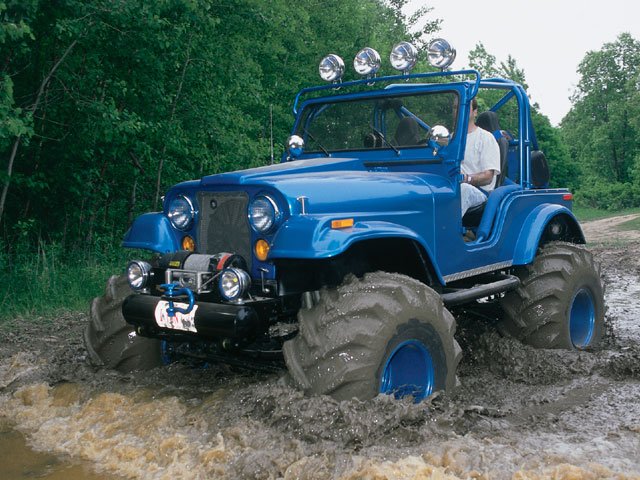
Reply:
x=407 y=133
x=489 y=121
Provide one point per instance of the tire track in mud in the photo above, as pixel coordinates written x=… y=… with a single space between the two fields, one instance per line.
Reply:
x=520 y=413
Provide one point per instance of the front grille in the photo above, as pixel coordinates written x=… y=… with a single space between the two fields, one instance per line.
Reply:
x=224 y=224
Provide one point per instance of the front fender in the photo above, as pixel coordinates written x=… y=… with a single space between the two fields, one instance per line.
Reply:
x=311 y=236
x=152 y=231
x=533 y=227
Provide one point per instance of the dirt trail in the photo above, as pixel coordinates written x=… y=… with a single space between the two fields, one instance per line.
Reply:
x=606 y=231
x=520 y=413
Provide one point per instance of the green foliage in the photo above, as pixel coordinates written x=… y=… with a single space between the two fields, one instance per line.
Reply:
x=602 y=130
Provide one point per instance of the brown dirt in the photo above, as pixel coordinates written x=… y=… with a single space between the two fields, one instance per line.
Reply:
x=520 y=413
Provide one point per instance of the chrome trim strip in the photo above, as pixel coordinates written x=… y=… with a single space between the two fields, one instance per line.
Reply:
x=477 y=271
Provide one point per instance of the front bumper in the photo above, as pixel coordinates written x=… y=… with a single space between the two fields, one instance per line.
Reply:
x=212 y=320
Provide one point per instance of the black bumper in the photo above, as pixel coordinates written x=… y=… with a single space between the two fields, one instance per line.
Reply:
x=212 y=320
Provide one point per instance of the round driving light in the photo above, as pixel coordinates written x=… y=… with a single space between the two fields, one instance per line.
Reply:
x=367 y=61
x=331 y=68
x=188 y=243
x=440 y=53
x=234 y=283
x=138 y=274
x=181 y=212
x=263 y=213
x=404 y=57
x=295 y=145
x=261 y=249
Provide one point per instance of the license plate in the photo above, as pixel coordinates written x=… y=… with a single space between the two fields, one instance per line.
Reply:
x=181 y=321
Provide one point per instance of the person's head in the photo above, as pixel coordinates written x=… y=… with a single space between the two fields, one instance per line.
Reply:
x=474 y=108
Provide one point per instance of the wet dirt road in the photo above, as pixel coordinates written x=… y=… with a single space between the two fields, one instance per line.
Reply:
x=520 y=413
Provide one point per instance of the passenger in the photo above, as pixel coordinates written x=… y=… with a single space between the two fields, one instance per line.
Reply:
x=480 y=165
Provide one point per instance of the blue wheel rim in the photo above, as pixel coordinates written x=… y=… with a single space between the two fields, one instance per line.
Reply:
x=582 y=318
x=409 y=370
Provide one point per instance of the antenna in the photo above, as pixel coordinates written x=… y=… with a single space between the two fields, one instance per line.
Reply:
x=271 y=128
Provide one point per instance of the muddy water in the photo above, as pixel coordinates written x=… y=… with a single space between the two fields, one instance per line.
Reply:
x=520 y=413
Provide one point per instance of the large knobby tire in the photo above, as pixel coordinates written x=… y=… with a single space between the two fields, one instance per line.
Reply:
x=385 y=333
x=110 y=341
x=560 y=301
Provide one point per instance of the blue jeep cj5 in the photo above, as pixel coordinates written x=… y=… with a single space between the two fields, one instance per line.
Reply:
x=347 y=258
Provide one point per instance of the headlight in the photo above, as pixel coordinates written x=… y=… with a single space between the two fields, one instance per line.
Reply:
x=234 y=284
x=331 y=68
x=441 y=54
x=138 y=274
x=263 y=213
x=295 y=145
x=367 y=61
x=404 y=57
x=181 y=212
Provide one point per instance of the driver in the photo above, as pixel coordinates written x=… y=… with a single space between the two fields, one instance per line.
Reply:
x=480 y=165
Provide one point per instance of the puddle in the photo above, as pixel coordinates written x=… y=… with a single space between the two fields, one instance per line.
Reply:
x=520 y=414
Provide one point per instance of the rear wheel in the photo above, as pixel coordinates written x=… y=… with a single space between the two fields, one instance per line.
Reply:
x=110 y=341
x=560 y=302
x=386 y=333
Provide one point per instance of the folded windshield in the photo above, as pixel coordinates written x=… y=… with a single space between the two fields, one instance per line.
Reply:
x=391 y=122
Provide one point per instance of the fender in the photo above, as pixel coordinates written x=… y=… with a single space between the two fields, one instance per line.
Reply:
x=151 y=231
x=311 y=237
x=534 y=226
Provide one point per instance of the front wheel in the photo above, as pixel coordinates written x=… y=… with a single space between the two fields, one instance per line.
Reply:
x=386 y=333
x=560 y=302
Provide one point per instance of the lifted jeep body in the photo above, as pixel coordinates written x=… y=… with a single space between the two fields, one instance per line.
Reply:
x=346 y=256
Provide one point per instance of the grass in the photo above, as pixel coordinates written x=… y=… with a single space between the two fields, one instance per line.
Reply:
x=630 y=225
x=51 y=281
x=584 y=214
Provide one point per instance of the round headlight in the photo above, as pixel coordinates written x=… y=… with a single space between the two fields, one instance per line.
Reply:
x=441 y=54
x=234 y=283
x=181 y=212
x=331 y=68
x=295 y=145
x=367 y=61
x=138 y=274
x=404 y=56
x=263 y=213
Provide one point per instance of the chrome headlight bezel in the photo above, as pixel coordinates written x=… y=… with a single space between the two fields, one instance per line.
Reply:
x=138 y=274
x=264 y=214
x=234 y=284
x=181 y=212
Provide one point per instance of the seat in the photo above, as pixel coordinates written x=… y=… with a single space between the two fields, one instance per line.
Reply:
x=489 y=121
x=407 y=133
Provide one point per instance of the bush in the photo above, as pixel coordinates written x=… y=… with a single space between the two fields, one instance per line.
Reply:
x=608 y=196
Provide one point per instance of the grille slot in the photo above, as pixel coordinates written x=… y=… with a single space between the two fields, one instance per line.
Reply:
x=225 y=227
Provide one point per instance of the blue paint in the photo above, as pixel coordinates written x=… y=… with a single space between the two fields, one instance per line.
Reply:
x=409 y=371
x=172 y=291
x=582 y=318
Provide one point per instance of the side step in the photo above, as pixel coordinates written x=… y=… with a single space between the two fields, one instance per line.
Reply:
x=503 y=284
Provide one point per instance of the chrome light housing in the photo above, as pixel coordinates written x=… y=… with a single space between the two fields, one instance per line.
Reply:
x=440 y=134
x=138 y=274
x=263 y=213
x=404 y=57
x=234 y=284
x=440 y=53
x=181 y=212
x=331 y=68
x=367 y=61
x=295 y=146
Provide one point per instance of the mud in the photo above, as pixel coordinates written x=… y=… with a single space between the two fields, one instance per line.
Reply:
x=520 y=413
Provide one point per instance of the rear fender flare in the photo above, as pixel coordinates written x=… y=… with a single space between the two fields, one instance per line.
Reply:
x=535 y=225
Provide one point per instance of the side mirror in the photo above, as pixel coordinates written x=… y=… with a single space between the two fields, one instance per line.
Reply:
x=440 y=135
x=295 y=146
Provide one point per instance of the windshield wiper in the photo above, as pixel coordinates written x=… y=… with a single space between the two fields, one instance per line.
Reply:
x=384 y=139
x=324 y=150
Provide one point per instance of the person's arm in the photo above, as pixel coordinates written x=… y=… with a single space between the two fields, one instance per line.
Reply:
x=479 y=179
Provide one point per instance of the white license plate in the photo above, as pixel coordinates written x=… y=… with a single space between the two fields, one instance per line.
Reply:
x=181 y=321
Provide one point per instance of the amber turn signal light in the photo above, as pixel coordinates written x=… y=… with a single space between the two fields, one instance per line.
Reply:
x=261 y=250
x=188 y=243
x=342 y=223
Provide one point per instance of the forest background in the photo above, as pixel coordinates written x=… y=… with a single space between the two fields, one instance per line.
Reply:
x=105 y=104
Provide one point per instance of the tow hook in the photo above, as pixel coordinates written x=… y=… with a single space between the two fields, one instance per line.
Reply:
x=171 y=292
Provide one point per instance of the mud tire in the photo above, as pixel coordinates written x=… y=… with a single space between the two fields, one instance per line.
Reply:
x=539 y=311
x=108 y=338
x=347 y=338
